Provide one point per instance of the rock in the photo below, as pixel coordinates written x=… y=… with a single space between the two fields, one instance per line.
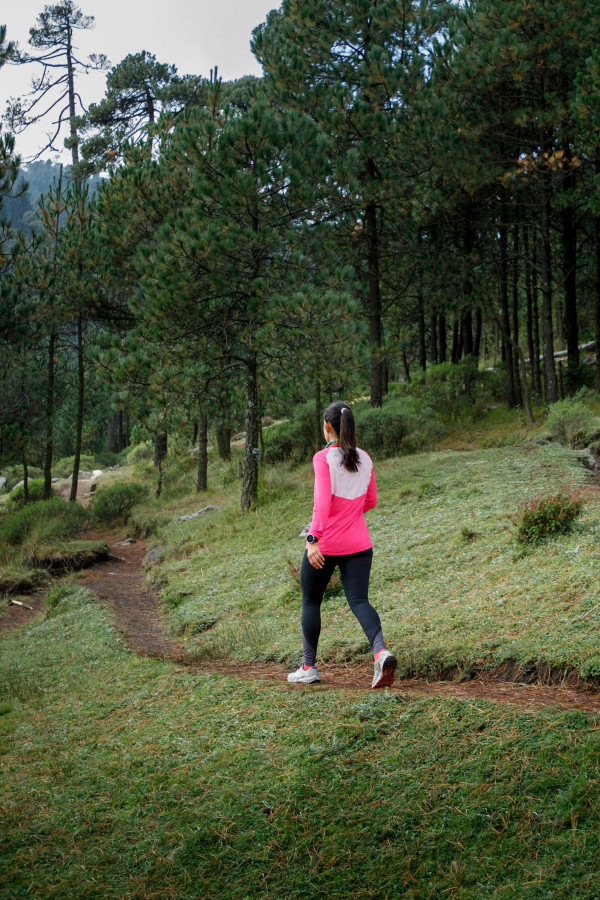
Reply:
x=93 y=487
x=305 y=531
x=195 y=515
x=2 y=482
x=96 y=474
x=56 y=478
x=586 y=457
x=153 y=556
x=83 y=474
x=126 y=541
x=542 y=441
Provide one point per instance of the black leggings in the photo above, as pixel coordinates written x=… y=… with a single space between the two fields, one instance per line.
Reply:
x=355 y=569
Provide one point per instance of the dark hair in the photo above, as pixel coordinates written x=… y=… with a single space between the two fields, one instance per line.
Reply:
x=341 y=418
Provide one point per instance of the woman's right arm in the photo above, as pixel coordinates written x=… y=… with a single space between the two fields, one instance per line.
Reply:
x=371 y=495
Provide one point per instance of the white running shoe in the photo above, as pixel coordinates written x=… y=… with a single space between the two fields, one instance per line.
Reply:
x=304 y=676
x=385 y=669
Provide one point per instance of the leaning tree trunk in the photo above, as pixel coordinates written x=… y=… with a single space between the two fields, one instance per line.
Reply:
x=202 y=482
x=80 y=399
x=250 y=482
x=49 y=417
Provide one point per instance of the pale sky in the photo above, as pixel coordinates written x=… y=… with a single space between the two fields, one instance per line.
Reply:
x=193 y=35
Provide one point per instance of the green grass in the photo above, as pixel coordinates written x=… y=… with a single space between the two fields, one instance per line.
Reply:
x=455 y=592
x=128 y=777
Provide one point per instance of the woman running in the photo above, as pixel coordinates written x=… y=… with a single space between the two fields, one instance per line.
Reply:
x=344 y=490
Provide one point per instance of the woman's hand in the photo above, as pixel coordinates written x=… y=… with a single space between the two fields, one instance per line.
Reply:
x=315 y=557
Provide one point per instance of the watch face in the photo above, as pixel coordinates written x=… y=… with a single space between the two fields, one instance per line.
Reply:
x=311 y=538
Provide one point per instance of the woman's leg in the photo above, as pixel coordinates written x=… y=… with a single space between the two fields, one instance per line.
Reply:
x=313 y=581
x=355 y=570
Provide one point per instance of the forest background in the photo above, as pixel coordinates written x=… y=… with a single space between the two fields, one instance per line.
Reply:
x=404 y=209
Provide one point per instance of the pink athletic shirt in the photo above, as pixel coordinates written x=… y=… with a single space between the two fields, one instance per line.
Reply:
x=341 y=498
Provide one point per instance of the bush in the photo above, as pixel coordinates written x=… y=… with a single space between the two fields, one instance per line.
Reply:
x=54 y=519
x=547 y=515
x=140 y=452
x=16 y=498
x=455 y=390
x=14 y=474
x=116 y=500
x=571 y=423
x=64 y=467
x=398 y=426
x=292 y=441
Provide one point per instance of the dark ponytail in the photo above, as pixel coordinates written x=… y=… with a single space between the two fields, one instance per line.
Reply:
x=341 y=418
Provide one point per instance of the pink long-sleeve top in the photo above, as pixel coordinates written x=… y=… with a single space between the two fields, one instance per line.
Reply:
x=341 y=499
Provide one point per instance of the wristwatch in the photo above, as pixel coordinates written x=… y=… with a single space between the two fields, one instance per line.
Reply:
x=311 y=539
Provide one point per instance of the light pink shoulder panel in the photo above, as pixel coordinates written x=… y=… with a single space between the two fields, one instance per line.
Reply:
x=349 y=485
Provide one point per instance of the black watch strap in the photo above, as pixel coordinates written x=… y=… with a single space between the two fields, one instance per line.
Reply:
x=311 y=539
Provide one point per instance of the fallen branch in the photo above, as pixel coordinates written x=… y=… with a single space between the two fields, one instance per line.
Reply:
x=18 y=603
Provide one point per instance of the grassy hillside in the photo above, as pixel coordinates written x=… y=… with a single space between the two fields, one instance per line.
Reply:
x=128 y=777
x=454 y=592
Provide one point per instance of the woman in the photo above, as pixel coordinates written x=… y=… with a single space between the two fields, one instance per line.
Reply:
x=344 y=490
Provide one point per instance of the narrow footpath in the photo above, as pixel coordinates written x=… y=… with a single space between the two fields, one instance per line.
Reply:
x=120 y=583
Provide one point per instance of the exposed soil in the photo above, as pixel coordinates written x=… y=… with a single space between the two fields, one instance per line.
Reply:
x=120 y=583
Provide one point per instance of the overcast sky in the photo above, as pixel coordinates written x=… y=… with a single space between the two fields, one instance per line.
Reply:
x=193 y=35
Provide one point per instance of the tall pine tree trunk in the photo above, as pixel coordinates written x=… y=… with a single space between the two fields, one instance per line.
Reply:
x=504 y=311
x=467 y=317
x=550 y=382
x=250 y=482
x=515 y=315
x=49 y=417
x=478 y=329
x=80 y=400
x=202 y=481
x=160 y=455
x=374 y=295
x=443 y=339
x=569 y=240
x=421 y=325
x=597 y=274
x=318 y=416
x=25 y=471
x=434 y=341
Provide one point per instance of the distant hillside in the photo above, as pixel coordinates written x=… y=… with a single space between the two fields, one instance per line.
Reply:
x=20 y=210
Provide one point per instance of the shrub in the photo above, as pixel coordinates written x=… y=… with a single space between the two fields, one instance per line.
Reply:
x=547 y=515
x=14 y=474
x=140 y=452
x=16 y=498
x=398 y=426
x=48 y=520
x=64 y=467
x=454 y=390
x=116 y=500
x=570 y=422
x=293 y=440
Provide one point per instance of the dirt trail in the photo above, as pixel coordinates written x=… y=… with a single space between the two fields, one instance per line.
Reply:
x=119 y=583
